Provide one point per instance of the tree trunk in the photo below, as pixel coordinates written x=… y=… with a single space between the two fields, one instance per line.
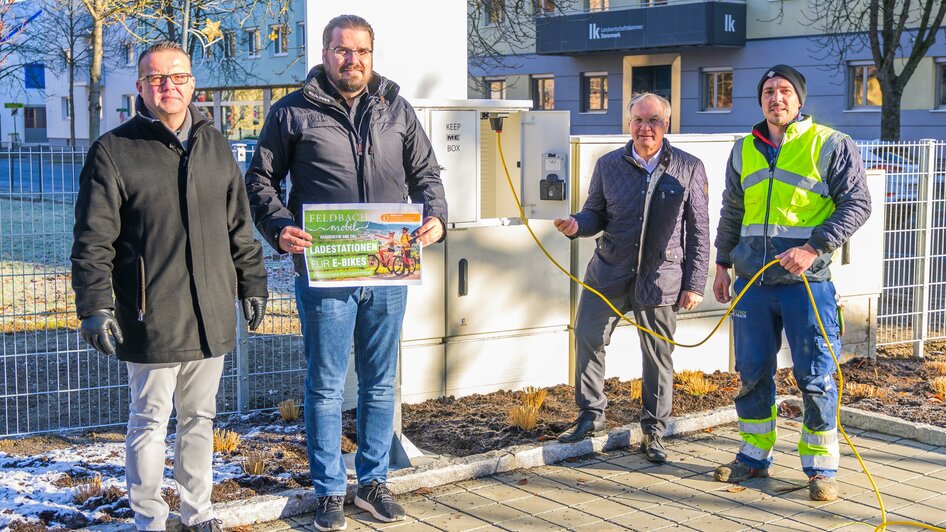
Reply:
x=892 y=90
x=72 y=102
x=95 y=72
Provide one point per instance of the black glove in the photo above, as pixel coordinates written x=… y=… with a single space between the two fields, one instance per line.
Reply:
x=95 y=328
x=253 y=310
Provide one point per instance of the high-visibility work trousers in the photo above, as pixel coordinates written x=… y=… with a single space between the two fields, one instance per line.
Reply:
x=758 y=321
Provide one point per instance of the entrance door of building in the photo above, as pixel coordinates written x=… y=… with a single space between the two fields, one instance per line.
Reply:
x=654 y=79
x=34 y=124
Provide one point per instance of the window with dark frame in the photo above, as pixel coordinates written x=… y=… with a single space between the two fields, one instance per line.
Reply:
x=865 y=88
x=543 y=6
x=495 y=11
x=941 y=68
x=279 y=34
x=543 y=93
x=229 y=44
x=252 y=42
x=717 y=90
x=594 y=93
x=597 y=5
x=496 y=89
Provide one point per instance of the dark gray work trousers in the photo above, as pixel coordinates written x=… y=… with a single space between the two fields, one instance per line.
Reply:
x=594 y=325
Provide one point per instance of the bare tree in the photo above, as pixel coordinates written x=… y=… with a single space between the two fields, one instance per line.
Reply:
x=895 y=31
x=501 y=32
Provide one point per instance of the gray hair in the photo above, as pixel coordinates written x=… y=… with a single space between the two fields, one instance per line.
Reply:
x=641 y=96
x=349 y=22
x=162 y=46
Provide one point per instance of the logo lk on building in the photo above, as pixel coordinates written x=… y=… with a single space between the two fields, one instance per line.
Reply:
x=594 y=32
x=729 y=24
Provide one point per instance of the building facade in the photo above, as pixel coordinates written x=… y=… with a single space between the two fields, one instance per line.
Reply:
x=706 y=57
x=238 y=77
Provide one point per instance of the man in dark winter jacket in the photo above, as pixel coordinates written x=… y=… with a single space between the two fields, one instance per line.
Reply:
x=162 y=220
x=795 y=191
x=649 y=202
x=346 y=137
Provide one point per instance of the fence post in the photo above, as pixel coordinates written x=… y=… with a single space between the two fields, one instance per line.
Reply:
x=924 y=246
x=242 y=362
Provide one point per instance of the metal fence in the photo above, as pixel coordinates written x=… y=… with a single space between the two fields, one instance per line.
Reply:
x=50 y=380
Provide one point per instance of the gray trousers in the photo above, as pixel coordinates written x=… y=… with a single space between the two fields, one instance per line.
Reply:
x=191 y=388
x=594 y=325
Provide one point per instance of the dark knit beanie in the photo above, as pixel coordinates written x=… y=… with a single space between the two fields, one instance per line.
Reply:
x=793 y=76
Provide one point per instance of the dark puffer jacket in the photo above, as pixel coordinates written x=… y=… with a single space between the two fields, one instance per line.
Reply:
x=667 y=254
x=170 y=232
x=385 y=158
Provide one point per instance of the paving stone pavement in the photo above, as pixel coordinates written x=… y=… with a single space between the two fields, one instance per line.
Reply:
x=619 y=490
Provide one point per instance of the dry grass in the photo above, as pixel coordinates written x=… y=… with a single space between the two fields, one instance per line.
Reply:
x=533 y=397
x=636 y=390
x=936 y=368
x=289 y=410
x=524 y=417
x=856 y=391
x=687 y=375
x=225 y=441
x=254 y=464
x=938 y=384
x=790 y=380
x=699 y=386
x=83 y=491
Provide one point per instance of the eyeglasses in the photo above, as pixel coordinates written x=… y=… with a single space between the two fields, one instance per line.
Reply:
x=156 y=80
x=341 y=51
x=652 y=123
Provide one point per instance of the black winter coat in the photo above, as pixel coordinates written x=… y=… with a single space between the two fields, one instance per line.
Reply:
x=385 y=158
x=669 y=253
x=170 y=233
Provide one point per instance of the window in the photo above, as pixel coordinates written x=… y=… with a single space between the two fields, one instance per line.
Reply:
x=717 y=90
x=941 y=84
x=252 y=42
x=495 y=11
x=496 y=89
x=34 y=118
x=34 y=76
x=865 y=89
x=653 y=3
x=128 y=53
x=543 y=93
x=229 y=44
x=279 y=34
x=300 y=35
x=65 y=108
x=597 y=5
x=543 y=6
x=594 y=92
x=128 y=104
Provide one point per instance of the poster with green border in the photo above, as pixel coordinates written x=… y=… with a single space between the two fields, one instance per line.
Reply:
x=362 y=244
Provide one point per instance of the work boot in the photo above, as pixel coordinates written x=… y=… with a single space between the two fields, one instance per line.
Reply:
x=735 y=472
x=653 y=448
x=581 y=429
x=330 y=513
x=378 y=499
x=211 y=525
x=822 y=488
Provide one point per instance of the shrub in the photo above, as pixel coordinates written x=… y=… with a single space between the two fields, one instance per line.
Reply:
x=254 y=464
x=856 y=391
x=938 y=384
x=289 y=410
x=790 y=380
x=936 y=368
x=687 y=375
x=699 y=386
x=90 y=487
x=635 y=393
x=524 y=417
x=225 y=441
x=533 y=397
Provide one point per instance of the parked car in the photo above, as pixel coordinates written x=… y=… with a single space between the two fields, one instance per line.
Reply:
x=902 y=175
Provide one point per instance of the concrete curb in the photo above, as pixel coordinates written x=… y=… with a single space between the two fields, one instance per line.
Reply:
x=884 y=424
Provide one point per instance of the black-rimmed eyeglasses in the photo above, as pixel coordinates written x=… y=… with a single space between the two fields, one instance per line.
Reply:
x=341 y=51
x=156 y=80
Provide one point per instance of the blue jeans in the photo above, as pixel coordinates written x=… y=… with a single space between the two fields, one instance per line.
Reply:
x=332 y=319
x=758 y=321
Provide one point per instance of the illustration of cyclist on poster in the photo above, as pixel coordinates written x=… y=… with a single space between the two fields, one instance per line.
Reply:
x=358 y=244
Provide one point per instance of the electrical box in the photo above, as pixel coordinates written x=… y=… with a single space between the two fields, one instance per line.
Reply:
x=478 y=162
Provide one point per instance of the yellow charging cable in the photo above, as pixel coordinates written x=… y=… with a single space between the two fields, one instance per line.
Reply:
x=883 y=511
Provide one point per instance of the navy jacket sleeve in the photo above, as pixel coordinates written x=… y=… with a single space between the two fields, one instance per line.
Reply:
x=593 y=217
x=847 y=184
x=696 y=231
x=268 y=169
x=730 y=217
x=246 y=252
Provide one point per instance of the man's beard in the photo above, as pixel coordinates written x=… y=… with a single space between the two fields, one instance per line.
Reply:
x=350 y=85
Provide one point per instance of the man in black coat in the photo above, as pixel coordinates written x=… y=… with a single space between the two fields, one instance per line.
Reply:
x=649 y=202
x=346 y=137
x=162 y=221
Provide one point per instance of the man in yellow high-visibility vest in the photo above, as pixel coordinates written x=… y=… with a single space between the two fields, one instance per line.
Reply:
x=795 y=191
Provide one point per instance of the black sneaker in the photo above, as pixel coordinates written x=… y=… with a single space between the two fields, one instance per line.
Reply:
x=211 y=525
x=378 y=499
x=330 y=513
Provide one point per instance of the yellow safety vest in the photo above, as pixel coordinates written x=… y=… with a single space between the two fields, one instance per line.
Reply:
x=790 y=200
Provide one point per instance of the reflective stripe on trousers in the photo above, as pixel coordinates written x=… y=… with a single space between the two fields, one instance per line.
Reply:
x=758 y=436
x=819 y=450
